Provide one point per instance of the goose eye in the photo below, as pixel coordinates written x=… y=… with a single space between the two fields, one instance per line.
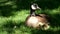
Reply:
x=36 y=6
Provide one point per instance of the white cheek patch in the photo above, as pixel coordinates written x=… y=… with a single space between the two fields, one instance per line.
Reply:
x=33 y=7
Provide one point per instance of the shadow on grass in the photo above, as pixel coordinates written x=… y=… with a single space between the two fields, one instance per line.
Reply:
x=48 y=4
x=44 y=32
x=6 y=10
x=44 y=4
x=9 y=6
x=55 y=20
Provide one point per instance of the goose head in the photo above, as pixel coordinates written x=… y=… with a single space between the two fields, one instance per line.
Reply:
x=34 y=6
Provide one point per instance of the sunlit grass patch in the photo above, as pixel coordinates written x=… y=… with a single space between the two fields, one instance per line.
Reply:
x=3 y=32
x=55 y=28
x=20 y=16
x=23 y=30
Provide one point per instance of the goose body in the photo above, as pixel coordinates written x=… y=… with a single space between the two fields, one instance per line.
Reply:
x=37 y=20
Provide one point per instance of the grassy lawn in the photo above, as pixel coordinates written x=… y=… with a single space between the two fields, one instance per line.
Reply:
x=7 y=24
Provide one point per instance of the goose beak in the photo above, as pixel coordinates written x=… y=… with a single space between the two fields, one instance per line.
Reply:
x=38 y=8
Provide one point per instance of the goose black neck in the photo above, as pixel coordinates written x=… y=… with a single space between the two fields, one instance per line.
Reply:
x=32 y=12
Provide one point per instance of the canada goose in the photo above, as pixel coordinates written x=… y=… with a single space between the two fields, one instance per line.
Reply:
x=36 y=20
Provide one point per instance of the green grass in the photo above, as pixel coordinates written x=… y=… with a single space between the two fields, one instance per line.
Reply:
x=18 y=19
